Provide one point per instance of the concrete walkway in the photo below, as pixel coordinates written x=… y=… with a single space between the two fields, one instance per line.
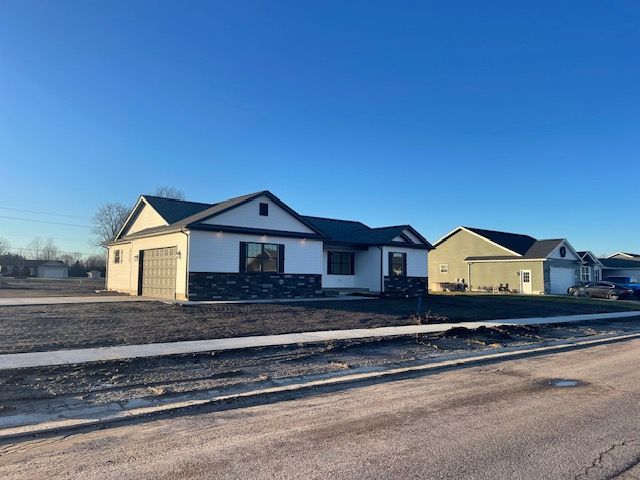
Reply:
x=15 y=302
x=65 y=357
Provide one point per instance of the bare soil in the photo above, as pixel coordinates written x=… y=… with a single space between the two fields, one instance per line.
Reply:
x=55 y=327
x=67 y=387
x=45 y=287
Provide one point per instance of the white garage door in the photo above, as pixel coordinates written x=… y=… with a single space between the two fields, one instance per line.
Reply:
x=52 y=273
x=561 y=279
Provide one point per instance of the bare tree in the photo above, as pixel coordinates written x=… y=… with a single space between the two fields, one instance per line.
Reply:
x=70 y=258
x=169 y=192
x=34 y=249
x=50 y=250
x=107 y=221
x=5 y=246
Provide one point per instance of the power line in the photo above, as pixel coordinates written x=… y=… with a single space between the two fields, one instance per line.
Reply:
x=44 y=221
x=42 y=213
x=40 y=250
x=33 y=236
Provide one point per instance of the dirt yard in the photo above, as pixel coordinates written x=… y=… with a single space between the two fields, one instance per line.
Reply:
x=37 y=328
x=61 y=388
x=44 y=287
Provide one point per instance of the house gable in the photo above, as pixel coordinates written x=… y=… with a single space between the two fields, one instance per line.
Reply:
x=570 y=253
x=142 y=216
x=248 y=215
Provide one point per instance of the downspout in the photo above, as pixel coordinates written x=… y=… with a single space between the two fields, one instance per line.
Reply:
x=186 y=282
x=381 y=271
x=469 y=275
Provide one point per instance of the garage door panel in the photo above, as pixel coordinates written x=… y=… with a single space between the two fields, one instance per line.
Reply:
x=561 y=279
x=159 y=272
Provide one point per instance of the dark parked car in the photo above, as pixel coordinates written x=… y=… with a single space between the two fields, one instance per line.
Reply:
x=609 y=290
x=626 y=282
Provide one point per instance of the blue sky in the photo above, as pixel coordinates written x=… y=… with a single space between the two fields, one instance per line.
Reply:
x=517 y=116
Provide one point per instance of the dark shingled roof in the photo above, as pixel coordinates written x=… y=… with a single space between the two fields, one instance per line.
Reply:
x=174 y=210
x=182 y=214
x=539 y=249
x=512 y=241
x=619 y=263
x=357 y=233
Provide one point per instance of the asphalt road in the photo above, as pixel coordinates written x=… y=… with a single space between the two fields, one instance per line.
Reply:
x=506 y=421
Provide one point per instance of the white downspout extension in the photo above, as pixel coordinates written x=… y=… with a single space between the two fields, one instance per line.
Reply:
x=469 y=275
x=381 y=270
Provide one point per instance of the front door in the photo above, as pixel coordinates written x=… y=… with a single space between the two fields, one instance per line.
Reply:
x=525 y=282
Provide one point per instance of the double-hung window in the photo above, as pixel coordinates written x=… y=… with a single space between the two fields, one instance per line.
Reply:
x=340 y=263
x=585 y=274
x=117 y=256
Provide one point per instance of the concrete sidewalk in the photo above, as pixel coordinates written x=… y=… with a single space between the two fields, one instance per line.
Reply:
x=16 y=301
x=65 y=357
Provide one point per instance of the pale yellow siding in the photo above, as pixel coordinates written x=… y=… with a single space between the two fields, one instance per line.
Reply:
x=123 y=277
x=453 y=251
x=147 y=218
x=489 y=275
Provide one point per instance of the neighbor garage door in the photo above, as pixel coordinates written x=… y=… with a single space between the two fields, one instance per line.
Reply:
x=561 y=279
x=159 y=272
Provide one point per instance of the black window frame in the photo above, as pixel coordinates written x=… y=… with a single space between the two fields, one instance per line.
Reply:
x=245 y=258
x=264 y=209
x=403 y=257
x=336 y=264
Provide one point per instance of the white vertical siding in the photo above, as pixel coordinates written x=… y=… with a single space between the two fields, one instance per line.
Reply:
x=417 y=265
x=220 y=252
x=366 y=270
x=248 y=215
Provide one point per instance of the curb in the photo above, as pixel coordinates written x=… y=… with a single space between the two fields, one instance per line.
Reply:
x=49 y=425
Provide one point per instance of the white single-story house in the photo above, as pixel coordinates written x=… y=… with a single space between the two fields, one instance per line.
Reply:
x=255 y=247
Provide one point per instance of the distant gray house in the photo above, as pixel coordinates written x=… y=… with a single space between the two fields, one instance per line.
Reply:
x=36 y=268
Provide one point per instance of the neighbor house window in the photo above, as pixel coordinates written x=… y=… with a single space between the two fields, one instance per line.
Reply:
x=444 y=268
x=596 y=275
x=397 y=264
x=585 y=274
x=264 y=209
x=117 y=256
x=262 y=257
x=340 y=263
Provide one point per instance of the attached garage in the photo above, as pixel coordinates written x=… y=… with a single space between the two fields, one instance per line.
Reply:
x=158 y=272
x=561 y=279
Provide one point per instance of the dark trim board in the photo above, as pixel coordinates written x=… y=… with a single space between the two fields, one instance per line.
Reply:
x=254 y=231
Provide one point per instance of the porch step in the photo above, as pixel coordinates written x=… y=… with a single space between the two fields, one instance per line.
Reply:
x=339 y=292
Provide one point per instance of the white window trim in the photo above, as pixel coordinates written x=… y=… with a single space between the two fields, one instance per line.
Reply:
x=585 y=271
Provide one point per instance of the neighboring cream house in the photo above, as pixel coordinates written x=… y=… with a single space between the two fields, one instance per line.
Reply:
x=486 y=260
x=255 y=246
